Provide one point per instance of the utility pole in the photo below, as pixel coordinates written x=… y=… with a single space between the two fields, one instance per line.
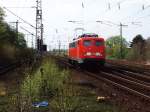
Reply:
x=27 y=40
x=39 y=26
x=59 y=46
x=49 y=48
x=17 y=24
x=32 y=42
x=121 y=46
x=64 y=48
x=17 y=28
x=121 y=43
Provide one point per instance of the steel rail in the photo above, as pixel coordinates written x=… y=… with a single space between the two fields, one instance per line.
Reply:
x=138 y=75
x=130 y=68
x=121 y=86
x=7 y=68
x=144 y=79
x=126 y=80
x=131 y=78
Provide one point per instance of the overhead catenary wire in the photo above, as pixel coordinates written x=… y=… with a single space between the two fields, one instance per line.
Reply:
x=27 y=31
x=119 y=7
x=112 y=6
x=144 y=8
x=142 y=17
x=30 y=34
x=19 y=18
x=21 y=7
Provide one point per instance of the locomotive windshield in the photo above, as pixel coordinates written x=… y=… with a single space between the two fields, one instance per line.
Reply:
x=99 y=43
x=96 y=43
x=87 y=43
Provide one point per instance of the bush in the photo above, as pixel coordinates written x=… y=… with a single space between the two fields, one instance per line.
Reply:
x=7 y=54
x=137 y=52
x=43 y=84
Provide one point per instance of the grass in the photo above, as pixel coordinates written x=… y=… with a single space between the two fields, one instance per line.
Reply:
x=43 y=84
x=47 y=79
x=52 y=84
x=4 y=104
x=73 y=98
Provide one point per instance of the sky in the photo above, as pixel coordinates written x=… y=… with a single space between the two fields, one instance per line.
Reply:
x=57 y=13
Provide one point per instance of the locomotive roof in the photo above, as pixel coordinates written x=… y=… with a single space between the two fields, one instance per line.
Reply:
x=80 y=38
x=88 y=35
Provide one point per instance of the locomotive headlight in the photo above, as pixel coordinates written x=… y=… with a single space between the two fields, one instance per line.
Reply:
x=98 y=54
x=88 y=54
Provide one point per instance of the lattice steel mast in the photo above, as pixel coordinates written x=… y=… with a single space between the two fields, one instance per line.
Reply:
x=39 y=26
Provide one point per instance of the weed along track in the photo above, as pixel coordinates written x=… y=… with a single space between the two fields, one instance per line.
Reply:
x=50 y=88
x=134 y=85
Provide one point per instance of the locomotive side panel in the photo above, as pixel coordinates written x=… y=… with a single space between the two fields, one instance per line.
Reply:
x=73 y=50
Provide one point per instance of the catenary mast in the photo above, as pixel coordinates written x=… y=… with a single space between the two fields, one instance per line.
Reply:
x=39 y=26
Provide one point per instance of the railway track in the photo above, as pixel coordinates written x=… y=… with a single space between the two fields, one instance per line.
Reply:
x=117 y=83
x=139 y=77
x=131 y=69
x=7 y=68
x=132 y=82
x=123 y=81
x=128 y=84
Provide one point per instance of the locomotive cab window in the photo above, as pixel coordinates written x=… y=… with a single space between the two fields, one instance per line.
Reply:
x=99 y=43
x=87 y=43
x=72 y=45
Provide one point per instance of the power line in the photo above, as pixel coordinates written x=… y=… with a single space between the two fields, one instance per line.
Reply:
x=27 y=31
x=142 y=17
x=21 y=7
x=138 y=12
x=19 y=17
x=118 y=4
x=103 y=22
x=30 y=34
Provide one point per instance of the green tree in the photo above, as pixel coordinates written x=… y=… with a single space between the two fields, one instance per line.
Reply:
x=1 y=14
x=148 y=49
x=21 y=42
x=9 y=36
x=137 y=52
x=11 y=42
x=113 y=47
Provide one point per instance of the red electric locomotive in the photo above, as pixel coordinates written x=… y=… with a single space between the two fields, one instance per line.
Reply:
x=87 y=48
